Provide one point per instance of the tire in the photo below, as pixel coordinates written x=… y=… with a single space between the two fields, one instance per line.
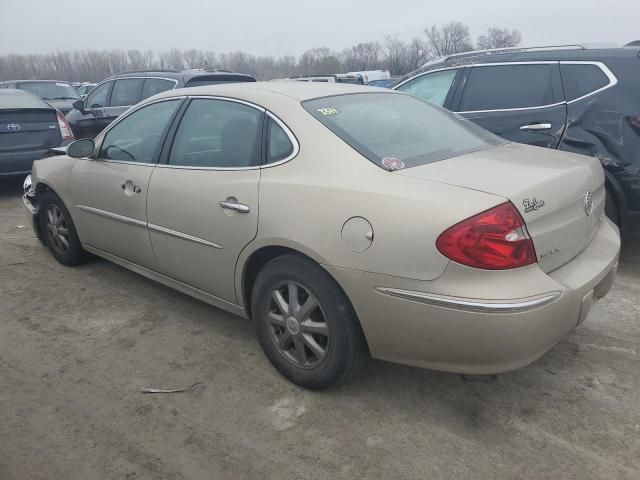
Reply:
x=295 y=347
x=62 y=239
x=611 y=208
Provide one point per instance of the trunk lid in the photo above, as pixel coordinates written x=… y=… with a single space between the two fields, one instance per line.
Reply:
x=560 y=195
x=28 y=129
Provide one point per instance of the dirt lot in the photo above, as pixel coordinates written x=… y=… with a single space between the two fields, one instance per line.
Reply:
x=77 y=345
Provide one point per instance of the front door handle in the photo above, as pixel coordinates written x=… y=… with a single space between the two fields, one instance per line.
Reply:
x=129 y=187
x=536 y=126
x=231 y=203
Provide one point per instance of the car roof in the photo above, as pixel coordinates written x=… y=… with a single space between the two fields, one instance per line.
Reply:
x=298 y=91
x=14 y=98
x=540 y=54
x=36 y=81
x=184 y=75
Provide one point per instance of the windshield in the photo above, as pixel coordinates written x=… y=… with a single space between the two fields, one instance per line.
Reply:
x=50 y=90
x=387 y=128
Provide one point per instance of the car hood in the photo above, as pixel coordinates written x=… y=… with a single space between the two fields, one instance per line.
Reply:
x=560 y=195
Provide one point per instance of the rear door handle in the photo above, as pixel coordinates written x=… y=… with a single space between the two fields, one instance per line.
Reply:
x=134 y=188
x=536 y=126
x=232 y=204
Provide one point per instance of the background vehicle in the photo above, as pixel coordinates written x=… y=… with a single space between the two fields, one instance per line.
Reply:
x=371 y=75
x=385 y=83
x=372 y=205
x=331 y=78
x=28 y=129
x=59 y=95
x=85 y=89
x=116 y=94
x=568 y=98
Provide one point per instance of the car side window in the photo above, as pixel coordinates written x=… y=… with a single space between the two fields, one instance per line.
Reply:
x=126 y=92
x=153 y=86
x=99 y=96
x=432 y=87
x=137 y=137
x=217 y=134
x=279 y=144
x=508 y=87
x=582 y=79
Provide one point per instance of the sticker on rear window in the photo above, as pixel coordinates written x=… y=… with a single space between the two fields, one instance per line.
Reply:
x=328 y=111
x=391 y=163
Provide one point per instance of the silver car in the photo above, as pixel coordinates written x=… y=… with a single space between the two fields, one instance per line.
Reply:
x=344 y=221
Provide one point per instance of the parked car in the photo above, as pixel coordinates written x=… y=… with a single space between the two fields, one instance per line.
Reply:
x=28 y=129
x=85 y=89
x=386 y=225
x=371 y=75
x=118 y=93
x=330 y=78
x=568 y=98
x=384 y=83
x=60 y=95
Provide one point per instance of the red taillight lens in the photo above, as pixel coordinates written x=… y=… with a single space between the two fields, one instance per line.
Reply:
x=492 y=240
x=65 y=128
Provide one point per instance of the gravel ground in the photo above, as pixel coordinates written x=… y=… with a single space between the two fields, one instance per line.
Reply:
x=77 y=345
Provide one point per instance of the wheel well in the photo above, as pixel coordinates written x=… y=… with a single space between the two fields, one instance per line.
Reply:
x=257 y=260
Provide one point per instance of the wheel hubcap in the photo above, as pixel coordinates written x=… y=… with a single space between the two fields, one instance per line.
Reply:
x=57 y=230
x=298 y=325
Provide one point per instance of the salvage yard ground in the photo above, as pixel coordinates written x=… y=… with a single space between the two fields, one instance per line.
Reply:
x=78 y=345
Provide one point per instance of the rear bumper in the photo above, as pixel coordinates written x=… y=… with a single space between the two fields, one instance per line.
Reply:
x=474 y=321
x=20 y=163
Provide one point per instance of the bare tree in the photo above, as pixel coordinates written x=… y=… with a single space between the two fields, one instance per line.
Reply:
x=450 y=38
x=499 y=38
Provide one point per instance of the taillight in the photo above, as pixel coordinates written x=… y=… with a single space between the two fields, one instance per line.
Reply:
x=492 y=240
x=65 y=128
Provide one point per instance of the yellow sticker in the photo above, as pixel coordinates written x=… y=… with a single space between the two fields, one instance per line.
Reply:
x=327 y=112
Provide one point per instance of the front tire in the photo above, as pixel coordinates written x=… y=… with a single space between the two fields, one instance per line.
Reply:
x=58 y=230
x=305 y=324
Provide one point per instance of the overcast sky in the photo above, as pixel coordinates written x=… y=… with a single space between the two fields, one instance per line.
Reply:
x=278 y=27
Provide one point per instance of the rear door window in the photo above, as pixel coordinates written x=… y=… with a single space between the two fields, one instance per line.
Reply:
x=582 y=79
x=432 y=87
x=152 y=86
x=217 y=134
x=126 y=92
x=508 y=87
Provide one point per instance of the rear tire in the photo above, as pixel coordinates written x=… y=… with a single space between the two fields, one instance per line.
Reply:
x=611 y=208
x=305 y=324
x=58 y=231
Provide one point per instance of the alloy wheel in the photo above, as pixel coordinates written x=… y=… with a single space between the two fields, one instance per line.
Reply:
x=57 y=230
x=298 y=325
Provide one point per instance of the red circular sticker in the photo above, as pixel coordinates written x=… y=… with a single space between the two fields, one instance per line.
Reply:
x=392 y=163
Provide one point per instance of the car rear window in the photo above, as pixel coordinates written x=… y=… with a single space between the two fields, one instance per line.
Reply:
x=387 y=127
x=51 y=90
x=17 y=99
x=582 y=79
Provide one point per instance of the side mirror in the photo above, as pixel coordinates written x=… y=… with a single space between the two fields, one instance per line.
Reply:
x=81 y=148
x=78 y=105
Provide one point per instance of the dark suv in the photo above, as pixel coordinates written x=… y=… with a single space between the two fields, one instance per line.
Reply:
x=114 y=95
x=569 y=98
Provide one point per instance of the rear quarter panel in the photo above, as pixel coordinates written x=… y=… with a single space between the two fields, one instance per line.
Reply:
x=305 y=203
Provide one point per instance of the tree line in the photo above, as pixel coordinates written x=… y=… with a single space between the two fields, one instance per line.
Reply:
x=393 y=54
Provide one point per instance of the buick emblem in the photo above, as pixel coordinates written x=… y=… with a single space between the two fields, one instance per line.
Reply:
x=588 y=203
x=13 y=127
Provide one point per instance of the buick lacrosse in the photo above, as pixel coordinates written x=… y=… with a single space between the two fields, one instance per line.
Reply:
x=344 y=221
